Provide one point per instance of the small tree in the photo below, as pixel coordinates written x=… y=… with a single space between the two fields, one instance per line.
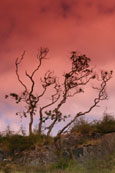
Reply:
x=28 y=95
x=79 y=75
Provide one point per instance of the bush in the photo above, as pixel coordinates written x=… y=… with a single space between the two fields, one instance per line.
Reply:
x=18 y=143
x=83 y=127
x=106 y=125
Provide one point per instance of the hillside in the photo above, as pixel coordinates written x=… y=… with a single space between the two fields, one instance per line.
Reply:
x=86 y=143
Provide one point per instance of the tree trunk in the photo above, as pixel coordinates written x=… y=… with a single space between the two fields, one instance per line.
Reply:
x=40 y=123
x=51 y=127
x=30 y=124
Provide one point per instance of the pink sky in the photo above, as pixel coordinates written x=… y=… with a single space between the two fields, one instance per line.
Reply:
x=63 y=26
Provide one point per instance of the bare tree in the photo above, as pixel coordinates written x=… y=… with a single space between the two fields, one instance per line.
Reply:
x=79 y=75
x=28 y=95
x=74 y=82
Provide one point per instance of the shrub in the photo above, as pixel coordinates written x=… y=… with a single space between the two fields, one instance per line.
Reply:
x=106 y=125
x=18 y=143
x=83 y=127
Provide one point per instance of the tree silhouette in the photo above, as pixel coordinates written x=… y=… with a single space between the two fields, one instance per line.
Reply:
x=79 y=76
x=28 y=95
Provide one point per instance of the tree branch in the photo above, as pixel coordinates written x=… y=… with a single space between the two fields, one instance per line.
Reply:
x=102 y=95
x=55 y=98
x=40 y=57
x=17 y=62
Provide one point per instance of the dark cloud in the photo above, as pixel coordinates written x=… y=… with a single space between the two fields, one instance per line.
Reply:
x=26 y=20
x=89 y=4
x=6 y=30
x=107 y=10
x=66 y=9
x=44 y=9
x=48 y=21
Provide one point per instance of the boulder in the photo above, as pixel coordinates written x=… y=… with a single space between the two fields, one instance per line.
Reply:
x=105 y=146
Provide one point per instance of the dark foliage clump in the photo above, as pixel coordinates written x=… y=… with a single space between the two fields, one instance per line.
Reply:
x=106 y=125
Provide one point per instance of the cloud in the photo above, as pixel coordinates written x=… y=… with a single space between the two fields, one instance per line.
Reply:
x=105 y=8
x=25 y=23
x=63 y=26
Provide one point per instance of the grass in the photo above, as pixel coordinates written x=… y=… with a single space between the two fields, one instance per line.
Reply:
x=17 y=143
x=66 y=166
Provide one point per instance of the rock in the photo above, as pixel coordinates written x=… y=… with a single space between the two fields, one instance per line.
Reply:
x=78 y=152
x=105 y=146
x=41 y=156
x=72 y=140
x=70 y=148
x=1 y=156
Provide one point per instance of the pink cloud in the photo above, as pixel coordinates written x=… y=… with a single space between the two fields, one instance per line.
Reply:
x=62 y=26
